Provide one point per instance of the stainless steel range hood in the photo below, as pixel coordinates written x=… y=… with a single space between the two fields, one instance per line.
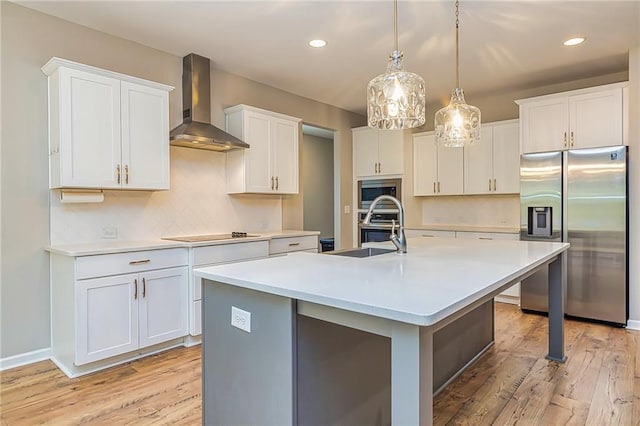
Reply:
x=196 y=130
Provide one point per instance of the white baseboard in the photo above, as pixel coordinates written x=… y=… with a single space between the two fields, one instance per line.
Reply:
x=633 y=325
x=24 y=359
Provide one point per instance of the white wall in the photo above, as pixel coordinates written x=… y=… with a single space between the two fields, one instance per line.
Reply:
x=317 y=179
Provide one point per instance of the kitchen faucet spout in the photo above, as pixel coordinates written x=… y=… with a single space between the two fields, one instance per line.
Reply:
x=399 y=240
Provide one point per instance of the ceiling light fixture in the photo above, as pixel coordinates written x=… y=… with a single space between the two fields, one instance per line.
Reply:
x=457 y=124
x=574 y=41
x=317 y=43
x=396 y=99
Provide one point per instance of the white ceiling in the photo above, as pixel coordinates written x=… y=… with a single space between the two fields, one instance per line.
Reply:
x=504 y=45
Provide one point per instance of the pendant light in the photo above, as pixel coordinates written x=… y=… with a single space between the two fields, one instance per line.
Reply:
x=396 y=99
x=457 y=124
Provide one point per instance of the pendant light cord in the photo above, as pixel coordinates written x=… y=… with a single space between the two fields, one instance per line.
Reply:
x=395 y=24
x=457 y=45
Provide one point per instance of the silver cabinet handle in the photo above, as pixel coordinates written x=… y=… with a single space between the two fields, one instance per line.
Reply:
x=564 y=139
x=144 y=287
x=494 y=184
x=139 y=262
x=485 y=238
x=438 y=187
x=126 y=174
x=271 y=182
x=293 y=244
x=118 y=171
x=434 y=187
x=571 y=139
x=277 y=185
x=489 y=184
x=379 y=167
x=135 y=291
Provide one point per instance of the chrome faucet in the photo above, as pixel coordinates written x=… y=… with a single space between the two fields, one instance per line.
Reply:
x=399 y=240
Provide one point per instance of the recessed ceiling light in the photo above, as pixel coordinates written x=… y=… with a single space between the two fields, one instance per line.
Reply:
x=574 y=41
x=317 y=43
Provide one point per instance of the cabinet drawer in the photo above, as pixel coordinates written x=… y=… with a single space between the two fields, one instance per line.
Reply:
x=429 y=233
x=233 y=252
x=487 y=235
x=289 y=244
x=124 y=263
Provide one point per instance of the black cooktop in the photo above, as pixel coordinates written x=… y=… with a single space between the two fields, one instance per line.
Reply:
x=211 y=237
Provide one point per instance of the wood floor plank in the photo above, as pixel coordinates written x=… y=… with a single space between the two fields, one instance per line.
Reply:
x=612 y=402
x=511 y=384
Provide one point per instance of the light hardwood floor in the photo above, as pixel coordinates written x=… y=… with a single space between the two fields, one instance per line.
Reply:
x=511 y=384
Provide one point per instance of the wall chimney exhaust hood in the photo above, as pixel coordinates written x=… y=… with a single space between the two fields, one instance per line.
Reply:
x=196 y=130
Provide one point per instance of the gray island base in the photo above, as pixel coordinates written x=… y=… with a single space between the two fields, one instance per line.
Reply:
x=313 y=345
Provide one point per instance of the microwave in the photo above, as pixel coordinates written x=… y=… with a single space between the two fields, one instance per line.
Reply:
x=369 y=190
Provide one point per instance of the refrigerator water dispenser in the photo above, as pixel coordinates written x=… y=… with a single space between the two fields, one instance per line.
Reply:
x=539 y=223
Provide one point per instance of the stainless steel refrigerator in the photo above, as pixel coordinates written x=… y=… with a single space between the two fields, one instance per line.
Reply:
x=579 y=196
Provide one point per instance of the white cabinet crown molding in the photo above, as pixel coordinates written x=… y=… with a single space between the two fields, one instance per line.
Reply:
x=54 y=63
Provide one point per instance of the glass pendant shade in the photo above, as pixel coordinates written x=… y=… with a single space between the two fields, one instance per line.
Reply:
x=457 y=124
x=396 y=99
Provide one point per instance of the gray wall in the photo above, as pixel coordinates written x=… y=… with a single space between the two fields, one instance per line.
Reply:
x=29 y=39
x=317 y=180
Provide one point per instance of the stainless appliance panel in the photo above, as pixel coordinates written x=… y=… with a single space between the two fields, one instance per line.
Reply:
x=369 y=190
x=540 y=187
x=596 y=218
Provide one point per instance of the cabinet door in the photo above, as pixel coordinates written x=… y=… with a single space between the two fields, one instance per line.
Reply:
x=163 y=297
x=89 y=117
x=478 y=164
x=390 y=152
x=365 y=152
x=145 y=137
x=506 y=158
x=545 y=125
x=284 y=152
x=258 y=160
x=106 y=317
x=425 y=165
x=596 y=119
x=450 y=171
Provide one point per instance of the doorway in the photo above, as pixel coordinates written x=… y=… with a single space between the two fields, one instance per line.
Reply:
x=318 y=183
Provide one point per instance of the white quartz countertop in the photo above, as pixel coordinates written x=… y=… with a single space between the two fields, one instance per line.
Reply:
x=437 y=277
x=108 y=247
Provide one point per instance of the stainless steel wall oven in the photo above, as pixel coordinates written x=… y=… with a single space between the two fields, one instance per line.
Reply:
x=386 y=212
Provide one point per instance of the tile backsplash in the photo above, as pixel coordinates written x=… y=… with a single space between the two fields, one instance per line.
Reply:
x=474 y=210
x=197 y=203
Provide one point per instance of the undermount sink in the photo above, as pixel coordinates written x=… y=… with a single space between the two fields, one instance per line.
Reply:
x=361 y=252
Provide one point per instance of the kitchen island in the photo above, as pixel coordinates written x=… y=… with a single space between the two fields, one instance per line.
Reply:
x=260 y=350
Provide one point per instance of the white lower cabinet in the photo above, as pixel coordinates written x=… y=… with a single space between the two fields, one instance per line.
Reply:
x=107 y=308
x=218 y=254
x=123 y=313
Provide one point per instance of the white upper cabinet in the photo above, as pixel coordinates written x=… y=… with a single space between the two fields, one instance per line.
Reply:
x=106 y=130
x=270 y=165
x=436 y=170
x=492 y=165
x=377 y=152
x=586 y=118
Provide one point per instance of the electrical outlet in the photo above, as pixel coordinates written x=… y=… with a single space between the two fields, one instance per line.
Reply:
x=241 y=319
x=109 y=232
